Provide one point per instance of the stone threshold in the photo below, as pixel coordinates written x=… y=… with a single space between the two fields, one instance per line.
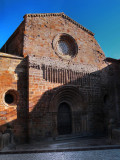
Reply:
x=90 y=148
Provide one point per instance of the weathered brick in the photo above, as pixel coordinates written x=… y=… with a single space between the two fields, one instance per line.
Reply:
x=44 y=78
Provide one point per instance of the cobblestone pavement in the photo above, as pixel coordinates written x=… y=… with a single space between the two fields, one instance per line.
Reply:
x=113 y=154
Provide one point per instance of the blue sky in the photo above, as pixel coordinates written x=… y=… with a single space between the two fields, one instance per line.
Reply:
x=102 y=17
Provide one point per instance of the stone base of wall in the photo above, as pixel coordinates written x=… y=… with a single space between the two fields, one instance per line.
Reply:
x=116 y=135
x=4 y=140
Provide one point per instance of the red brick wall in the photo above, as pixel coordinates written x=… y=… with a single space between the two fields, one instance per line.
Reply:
x=46 y=78
x=40 y=32
x=82 y=77
x=13 y=76
x=38 y=44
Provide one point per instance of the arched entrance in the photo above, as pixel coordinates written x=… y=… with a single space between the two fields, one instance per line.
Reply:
x=64 y=119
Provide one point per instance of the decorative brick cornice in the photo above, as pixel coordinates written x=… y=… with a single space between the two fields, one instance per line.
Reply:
x=62 y=15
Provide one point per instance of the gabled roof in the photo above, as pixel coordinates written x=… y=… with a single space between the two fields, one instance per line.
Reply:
x=62 y=15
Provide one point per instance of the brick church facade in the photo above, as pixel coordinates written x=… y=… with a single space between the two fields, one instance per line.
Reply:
x=54 y=80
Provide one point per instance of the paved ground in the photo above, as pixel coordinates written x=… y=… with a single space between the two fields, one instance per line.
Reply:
x=113 y=154
x=70 y=149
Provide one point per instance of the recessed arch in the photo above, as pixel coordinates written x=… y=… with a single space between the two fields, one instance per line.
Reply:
x=69 y=94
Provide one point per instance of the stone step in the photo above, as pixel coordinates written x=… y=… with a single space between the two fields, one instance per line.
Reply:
x=72 y=136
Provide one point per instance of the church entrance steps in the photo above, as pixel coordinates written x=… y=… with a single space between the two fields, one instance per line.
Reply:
x=72 y=136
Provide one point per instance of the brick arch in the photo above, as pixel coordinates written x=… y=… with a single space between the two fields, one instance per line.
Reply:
x=70 y=95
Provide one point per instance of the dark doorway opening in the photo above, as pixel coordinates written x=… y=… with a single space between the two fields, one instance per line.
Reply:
x=64 y=119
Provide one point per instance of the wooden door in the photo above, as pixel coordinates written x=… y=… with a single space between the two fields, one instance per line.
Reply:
x=64 y=119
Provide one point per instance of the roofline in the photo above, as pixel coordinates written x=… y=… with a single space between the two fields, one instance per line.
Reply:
x=112 y=60
x=62 y=15
x=12 y=36
x=5 y=55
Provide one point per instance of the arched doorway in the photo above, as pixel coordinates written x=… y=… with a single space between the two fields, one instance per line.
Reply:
x=64 y=119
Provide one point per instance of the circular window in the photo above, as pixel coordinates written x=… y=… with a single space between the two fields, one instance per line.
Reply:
x=65 y=46
x=11 y=97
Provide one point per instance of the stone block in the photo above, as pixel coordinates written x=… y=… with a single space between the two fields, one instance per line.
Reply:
x=1 y=141
x=6 y=139
x=116 y=135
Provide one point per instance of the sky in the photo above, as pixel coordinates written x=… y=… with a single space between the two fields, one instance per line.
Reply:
x=102 y=17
